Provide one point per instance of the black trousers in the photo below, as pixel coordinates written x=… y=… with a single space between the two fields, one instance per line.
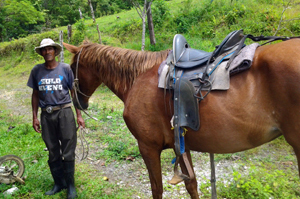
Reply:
x=59 y=134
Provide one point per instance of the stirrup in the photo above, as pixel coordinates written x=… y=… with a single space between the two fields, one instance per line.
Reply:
x=178 y=177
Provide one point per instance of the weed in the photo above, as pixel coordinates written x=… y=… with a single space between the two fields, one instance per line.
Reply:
x=273 y=184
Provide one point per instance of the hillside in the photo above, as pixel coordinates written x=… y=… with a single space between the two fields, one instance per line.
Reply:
x=269 y=171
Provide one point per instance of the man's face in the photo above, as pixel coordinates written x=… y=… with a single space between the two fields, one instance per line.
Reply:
x=48 y=53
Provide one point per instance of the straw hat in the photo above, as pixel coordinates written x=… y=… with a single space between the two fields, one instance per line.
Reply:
x=48 y=42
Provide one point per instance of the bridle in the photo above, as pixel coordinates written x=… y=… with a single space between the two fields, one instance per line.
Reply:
x=76 y=80
x=77 y=89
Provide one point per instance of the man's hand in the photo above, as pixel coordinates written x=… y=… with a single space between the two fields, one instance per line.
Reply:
x=36 y=125
x=80 y=121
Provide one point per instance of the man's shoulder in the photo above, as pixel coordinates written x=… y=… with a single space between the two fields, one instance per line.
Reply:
x=38 y=67
x=64 y=65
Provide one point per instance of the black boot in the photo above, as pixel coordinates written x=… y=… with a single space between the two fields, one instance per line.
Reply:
x=57 y=172
x=69 y=169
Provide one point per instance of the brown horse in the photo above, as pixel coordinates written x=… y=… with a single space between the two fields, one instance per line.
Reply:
x=261 y=104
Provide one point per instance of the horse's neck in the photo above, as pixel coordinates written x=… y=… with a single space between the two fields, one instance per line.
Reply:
x=121 y=93
x=119 y=82
x=120 y=77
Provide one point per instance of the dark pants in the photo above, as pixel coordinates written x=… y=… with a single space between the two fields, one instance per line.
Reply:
x=59 y=134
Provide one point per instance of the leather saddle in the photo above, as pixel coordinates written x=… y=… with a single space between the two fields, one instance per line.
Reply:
x=186 y=57
x=189 y=73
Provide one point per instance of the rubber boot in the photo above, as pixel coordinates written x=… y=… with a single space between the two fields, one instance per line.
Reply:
x=57 y=172
x=69 y=169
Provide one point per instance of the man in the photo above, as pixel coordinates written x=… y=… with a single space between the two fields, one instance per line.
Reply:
x=51 y=82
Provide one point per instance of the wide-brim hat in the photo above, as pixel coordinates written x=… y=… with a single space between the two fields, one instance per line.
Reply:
x=48 y=42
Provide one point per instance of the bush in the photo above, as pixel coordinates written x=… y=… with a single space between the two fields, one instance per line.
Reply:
x=79 y=33
x=123 y=29
x=160 y=13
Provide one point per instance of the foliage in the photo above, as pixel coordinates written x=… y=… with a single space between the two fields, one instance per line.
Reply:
x=123 y=29
x=80 y=31
x=205 y=19
x=26 y=44
x=160 y=13
x=273 y=184
x=20 y=16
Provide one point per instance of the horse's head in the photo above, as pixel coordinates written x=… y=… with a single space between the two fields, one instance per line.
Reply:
x=117 y=68
x=86 y=80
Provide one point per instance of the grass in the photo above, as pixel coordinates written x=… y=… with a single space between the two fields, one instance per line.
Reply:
x=20 y=139
x=269 y=171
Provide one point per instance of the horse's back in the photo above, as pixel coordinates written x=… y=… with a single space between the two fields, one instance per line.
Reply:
x=280 y=57
x=280 y=65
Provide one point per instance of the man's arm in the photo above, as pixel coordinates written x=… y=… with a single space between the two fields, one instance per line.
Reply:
x=35 y=108
x=80 y=120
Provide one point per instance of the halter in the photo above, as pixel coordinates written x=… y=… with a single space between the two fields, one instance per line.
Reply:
x=77 y=89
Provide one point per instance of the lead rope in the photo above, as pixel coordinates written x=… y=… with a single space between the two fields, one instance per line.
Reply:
x=76 y=88
x=83 y=147
x=81 y=131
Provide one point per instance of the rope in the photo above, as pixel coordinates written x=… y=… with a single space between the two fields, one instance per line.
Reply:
x=76 y=88
x=83 y=143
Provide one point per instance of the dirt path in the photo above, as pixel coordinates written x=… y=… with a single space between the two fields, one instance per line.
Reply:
x=17 y=101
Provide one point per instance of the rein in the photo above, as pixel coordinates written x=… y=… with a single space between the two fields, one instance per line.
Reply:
x=77 y=89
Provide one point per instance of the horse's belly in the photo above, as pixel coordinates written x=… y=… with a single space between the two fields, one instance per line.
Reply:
x=231 y=141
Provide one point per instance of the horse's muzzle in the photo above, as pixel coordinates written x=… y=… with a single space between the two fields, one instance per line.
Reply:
x=81 y=106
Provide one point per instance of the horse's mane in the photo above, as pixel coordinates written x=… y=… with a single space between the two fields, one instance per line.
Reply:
x=117 y=66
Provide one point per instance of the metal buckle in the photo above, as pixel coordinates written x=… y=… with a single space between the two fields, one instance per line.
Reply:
x=49 y=109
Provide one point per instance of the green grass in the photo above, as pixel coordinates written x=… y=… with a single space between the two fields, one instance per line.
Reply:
x=272 y=168
x=20 y=139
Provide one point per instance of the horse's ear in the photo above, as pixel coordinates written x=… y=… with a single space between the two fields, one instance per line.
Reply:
x=71 y=48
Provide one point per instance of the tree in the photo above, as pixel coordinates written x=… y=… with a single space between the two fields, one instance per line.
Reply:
x=20 y=16
x=2 y=27
x=92 y=11
x=143 y=14
x=150 y=24
x=58 y=12
x=286 y=5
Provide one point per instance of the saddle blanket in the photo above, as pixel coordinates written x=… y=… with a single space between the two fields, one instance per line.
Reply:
x=221 y=76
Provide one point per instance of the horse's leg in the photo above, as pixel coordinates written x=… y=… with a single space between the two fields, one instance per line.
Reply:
x=296 y=146
x=291 y=134
x=294 y=140
x=151 y=156
x=191 y=185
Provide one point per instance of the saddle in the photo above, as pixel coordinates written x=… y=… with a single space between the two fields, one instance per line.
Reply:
x=189 y=73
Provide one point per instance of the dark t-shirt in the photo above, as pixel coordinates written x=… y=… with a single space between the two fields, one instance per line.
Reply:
x=53 y=84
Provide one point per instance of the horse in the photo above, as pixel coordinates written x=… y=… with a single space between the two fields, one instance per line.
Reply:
x=262 y=103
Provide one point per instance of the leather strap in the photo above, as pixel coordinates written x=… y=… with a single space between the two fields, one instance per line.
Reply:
x=188 y=166
x=50 y=109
